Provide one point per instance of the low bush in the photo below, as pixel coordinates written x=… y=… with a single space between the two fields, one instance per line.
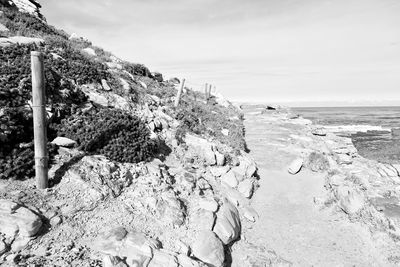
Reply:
x=110 y=132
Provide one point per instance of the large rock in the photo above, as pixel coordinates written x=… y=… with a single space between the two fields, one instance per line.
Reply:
x=246 y=188
x=203 y=147
x=230 y=179
x=202 y=220
x=350 y=200
x=135 y=247
x=15 y=219
x=163 y=258
x=227 y=226
x=295 y=166
x=209 y=249
x=27 y=6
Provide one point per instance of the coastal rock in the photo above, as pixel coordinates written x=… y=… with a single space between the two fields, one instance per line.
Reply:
x=15 y=219
x=230 y=179
x=202 y=220
x=208 y=204
x=203 y=146
x=27 y=6
x=220 y=158
x=343 y=159
x=135 y=247
x=337 y=179
x=248 y=165
x=250 y=214
x=295 y=166
x=246 y=188
x=350 y=200
x=90 y=51
x=163 y=258
x=209 y=249
x=227 y=226
x=319 y=131
x=218 y=171
x=64 y=142
x=112 y=261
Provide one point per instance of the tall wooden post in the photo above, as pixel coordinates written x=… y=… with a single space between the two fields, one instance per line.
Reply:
x=39 y=120
x=179 y=94
x=209 y=91
x=206 y=91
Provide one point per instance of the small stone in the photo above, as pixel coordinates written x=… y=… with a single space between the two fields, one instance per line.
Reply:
x=105 y=85
x=246 y=188
x=55 y=221
x=89 y=51
x=250 y=214
x=63 y=141
x=209 y=249
x=295 y=166
x=220 y=158
x=225 y=132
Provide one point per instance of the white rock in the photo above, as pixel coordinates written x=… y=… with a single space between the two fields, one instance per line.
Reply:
x=246 y=188
x=208 y=204
x=218 y=171
x=230 y=179
x=143 y=84
x=89 y=51
x=209 y=249
x=250 y=214
x=63 y=141
x=202 y=219
x=3 y=28
x=220 y=158
x=225 y=132
x=105 y=85
x=227 y=226
x=17 y=219
x=337 y=179
x=319 y=131
x=295 y=166
x=125 y=84
x=163 y=258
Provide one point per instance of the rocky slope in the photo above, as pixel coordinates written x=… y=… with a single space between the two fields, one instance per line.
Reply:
x=134 y=181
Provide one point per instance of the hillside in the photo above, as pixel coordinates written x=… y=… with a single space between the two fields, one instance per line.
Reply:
x=133 y=180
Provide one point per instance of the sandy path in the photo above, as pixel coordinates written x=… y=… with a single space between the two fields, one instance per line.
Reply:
x=290 y=223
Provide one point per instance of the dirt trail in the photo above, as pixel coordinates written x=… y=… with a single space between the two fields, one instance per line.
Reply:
x=290 y=223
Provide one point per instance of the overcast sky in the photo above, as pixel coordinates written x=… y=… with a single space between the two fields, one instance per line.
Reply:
x=253 y=50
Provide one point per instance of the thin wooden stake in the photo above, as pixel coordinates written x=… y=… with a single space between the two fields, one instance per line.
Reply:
x=209 y=91
x=206 y=91
x=179 y=94
x=39 y=120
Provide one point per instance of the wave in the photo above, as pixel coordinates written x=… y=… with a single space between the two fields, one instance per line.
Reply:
x=354 y=128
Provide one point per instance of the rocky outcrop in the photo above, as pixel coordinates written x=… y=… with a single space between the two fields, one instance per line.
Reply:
x=27 y=6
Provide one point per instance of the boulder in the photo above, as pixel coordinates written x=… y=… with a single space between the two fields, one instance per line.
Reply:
x=163 y=258
x=295 y=166
x=248 y=165
x=117 y=242
x=15 y=219
x=208 y=204
x=203 y=147
x=112 y=261
x=169 y=210
x=64 y=142
x=90 y=51
x=246 y=188
x=202 y=219
x=230 y=179
x=318 y=131
x=227 y=226
x=209 y=249
x=350 y=200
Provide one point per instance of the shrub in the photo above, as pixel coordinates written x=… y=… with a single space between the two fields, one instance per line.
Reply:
x=137 y=69
x=110 y=132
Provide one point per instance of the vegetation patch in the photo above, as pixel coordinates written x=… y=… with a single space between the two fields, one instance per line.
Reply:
x=110 y=132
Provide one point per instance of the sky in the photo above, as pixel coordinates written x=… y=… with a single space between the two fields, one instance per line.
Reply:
x=295 y=52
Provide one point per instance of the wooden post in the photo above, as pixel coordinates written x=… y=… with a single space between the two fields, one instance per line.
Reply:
x=209 y=91
x=179 y=94
x=39 y=120
x=206 y=91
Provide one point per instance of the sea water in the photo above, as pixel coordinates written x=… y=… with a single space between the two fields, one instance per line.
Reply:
x=372 y=129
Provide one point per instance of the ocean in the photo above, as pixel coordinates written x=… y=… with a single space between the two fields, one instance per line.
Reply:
x=372 y=129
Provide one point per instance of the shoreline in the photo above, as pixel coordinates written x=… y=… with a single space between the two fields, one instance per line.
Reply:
x=361 y=193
